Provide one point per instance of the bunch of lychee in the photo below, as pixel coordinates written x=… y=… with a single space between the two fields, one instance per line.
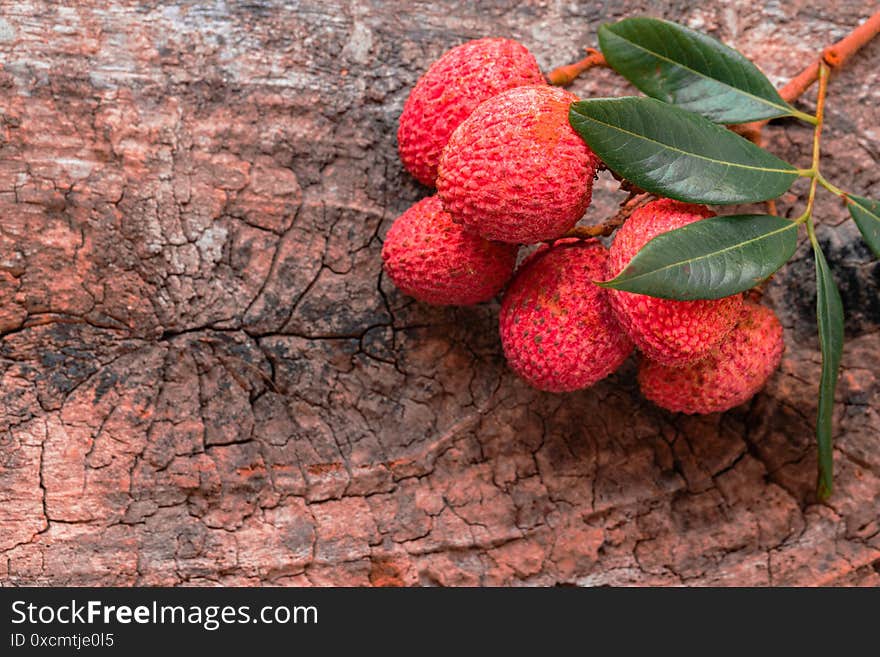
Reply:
x=484 y=127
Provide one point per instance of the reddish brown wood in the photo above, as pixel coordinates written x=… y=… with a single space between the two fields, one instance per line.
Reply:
x=205 y=379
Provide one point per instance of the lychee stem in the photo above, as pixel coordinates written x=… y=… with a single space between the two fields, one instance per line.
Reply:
x=813 y=171
x=834 y=56
x=565 y=75
x=608 y=226
x=834 y=189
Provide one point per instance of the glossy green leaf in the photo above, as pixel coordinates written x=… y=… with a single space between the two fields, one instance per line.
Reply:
x=866 y=214
x=710 y=259
x=692 y=70
x=829 y=315
x=672 y=152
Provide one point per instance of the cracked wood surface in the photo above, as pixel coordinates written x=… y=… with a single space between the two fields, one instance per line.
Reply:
x=204 y=378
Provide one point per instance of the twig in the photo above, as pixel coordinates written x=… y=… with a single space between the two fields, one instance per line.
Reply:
x=630 y=205
x=813 y=171
x=564 y=75
x=835 y=56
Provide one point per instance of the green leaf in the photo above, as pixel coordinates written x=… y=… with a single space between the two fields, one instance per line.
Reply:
x=866 y=214
x=829 y=315
x=710 y=259
x=692 y=70
x=672 y=152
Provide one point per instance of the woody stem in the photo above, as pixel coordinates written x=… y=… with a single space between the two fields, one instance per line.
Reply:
x=564 y=75
x=834 y=56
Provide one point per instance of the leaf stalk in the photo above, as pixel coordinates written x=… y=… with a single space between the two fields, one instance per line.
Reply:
x=834 y=189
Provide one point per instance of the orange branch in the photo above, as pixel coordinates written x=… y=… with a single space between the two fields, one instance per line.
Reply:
x=835 y=56
x=564 y=75
x=799 y=84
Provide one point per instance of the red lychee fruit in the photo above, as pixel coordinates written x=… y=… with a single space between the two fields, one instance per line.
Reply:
x=515 y=170
x=557 y=329
x=666 y=330
x=729 y=376
x=435 y=260
x=453 y=88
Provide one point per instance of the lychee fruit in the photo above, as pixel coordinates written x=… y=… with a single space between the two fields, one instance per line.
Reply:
x=557 y=329
x=729 y=376
x=515 y=170
x=666 y=330
x=452 y=88
x=435 y=260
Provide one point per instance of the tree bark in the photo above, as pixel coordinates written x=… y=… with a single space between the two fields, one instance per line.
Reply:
x=204 y=377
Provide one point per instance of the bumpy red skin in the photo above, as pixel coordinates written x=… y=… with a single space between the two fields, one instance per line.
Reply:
x=728 y=377
x=437 y=261
x=668 y=331
x=515 y=170
x=557 y=329
x=453 y=88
